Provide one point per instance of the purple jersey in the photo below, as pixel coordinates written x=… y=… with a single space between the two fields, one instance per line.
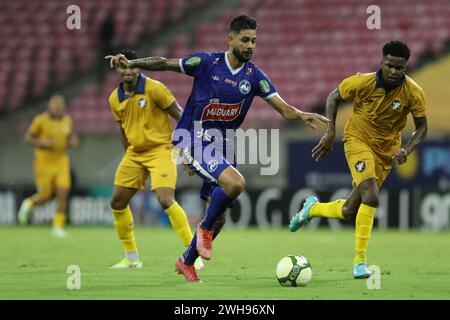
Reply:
x=220 y=96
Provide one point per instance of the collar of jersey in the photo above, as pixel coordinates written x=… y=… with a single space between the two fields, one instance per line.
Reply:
x=233 y=71
x=140 y=88
x=381 y=84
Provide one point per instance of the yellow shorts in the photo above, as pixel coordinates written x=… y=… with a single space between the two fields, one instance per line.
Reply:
x=364 y=163
x=49 y=176
x=135 y=168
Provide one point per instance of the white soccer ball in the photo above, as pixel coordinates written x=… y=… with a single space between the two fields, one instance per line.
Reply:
x=293 y=271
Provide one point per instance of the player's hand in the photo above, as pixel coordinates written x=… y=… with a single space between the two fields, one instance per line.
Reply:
x=117 y=60
x=186 y=169
x=323 y=147
x=314 y=120
x=45 y=143
x=400 y=156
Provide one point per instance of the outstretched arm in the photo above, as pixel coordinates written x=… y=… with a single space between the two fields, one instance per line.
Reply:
x=326 y=142
x=418 y=135
x=289 y=112
x=150 y=63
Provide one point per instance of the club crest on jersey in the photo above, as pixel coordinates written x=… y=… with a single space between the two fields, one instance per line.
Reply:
x=245 y=86
x=142 y=103
x=216 y=111
x=396 y=105
x=212 y=165
x=360 y=166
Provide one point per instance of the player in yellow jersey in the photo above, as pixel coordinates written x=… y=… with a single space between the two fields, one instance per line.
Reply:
x=51 y=133
x=372 y=142
x=142 y=107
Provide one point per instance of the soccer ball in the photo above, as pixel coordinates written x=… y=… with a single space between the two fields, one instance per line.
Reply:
x=293 y=271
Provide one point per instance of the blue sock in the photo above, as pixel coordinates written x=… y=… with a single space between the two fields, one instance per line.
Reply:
x=191 y=254
x=219 y=203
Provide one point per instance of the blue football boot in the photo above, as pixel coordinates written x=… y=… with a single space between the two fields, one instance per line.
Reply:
x=302 y=217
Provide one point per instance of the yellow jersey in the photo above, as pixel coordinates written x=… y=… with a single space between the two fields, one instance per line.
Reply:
x=379 y=115
x=142 y=115
x=58 y=131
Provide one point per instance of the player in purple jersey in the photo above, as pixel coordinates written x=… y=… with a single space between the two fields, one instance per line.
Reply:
x=225 y=84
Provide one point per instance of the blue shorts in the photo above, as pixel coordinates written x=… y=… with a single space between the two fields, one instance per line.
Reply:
x=209 y=168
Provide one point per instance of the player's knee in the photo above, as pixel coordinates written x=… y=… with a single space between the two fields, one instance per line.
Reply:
x=42 y=197
x=118 y=203
x=371 y=199
x=349 y=212
x=165 y=200
x=235 y=188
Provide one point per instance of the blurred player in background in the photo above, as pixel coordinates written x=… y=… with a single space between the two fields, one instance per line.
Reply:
x=142 y=107
x=372 y=142
x=224 y=87
x=51 y=132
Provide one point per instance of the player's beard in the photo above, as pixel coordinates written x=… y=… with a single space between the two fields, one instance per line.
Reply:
x=239 y=56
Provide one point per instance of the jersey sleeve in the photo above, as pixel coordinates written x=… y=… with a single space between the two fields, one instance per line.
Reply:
x=265 y=89
x=194 y=63
x=419 y=104
x=35 y=127
x=348 y=88
x=114 y=104
x=162 y=95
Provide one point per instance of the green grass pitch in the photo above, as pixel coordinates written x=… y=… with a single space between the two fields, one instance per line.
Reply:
x=414 y=265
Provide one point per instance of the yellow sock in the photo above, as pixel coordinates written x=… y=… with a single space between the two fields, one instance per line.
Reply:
x=364 y=222
x=59 y=220
x=328 y=209
x=123 y=221
x=30 y=202
x=180 y=223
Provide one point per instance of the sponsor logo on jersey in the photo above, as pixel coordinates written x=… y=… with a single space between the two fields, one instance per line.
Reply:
x=142 y=103
x=245 y=86
x=215 y=78
x=264 y=86
x=221 y=111
x=233 y=83
x=249 y=72
x=396 y=105
x=212 y=165
x=360 y=166
x=193 y=61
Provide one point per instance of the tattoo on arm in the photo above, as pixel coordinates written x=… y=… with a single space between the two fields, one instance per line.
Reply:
x=418 y=135
x=333 y=101
x=156 y=64
x=175 y=111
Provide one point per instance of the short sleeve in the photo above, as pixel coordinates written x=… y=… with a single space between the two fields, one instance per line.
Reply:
x=348 y=88
x=114 y=104
x=419 y=104
x=162 y=95
x=194 y=63
x=35 y=127
x=265 y=89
